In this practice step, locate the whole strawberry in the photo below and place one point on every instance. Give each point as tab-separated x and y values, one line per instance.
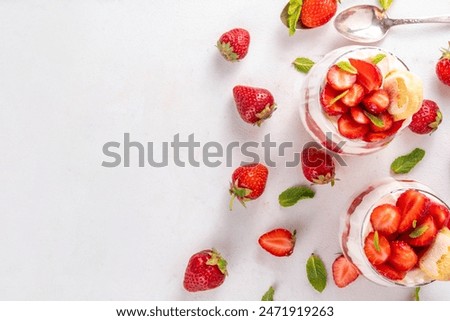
254	105
317	166
248	183
427	119
443	66
316	13
233	44
205	270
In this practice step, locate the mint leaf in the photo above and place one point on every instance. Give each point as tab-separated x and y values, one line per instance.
316	273
385	4
404	164
268	296
335	99
346	66
416	294
376	241
295	7
303	64
377	121
418	231
378	58
294	194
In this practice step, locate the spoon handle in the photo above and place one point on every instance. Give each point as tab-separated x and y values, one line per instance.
395	22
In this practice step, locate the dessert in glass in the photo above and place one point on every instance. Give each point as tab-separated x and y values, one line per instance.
357	98
396	232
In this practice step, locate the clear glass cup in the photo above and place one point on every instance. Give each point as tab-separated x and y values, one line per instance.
323	128
355	225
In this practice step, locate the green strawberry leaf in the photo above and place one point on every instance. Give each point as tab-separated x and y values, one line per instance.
295	7
346	66
316	273
294	194
385	4
303	64
418	231
268	296
377	121
404	164
416	294
378	58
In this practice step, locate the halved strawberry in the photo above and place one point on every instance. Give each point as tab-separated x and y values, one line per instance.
440	214
385	218
350	128
423	234
340	79
390	273
354	95
412	205
369	75
344	271
329	105
358	115
403	257
278	242
377	248
376	101
387	120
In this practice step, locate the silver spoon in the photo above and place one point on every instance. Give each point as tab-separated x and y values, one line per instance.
367	23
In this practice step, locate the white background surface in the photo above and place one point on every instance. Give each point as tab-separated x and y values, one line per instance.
77	74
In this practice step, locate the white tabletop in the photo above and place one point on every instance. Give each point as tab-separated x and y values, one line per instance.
75	75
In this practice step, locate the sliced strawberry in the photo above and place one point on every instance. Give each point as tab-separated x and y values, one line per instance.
440	214
278	242
329	105
372	137
354	95
387	120
377	248
390	273
340	79
344	271
412	205
369	75
358	115
350	128
385	218
423	234
403	257
376	101
396	125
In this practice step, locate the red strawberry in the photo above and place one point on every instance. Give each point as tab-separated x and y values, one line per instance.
387	120
248	183
423	234
344	271
412	205
351	129
330	105
354	95
385	218
278	242
233	44
379	136
376	101
443	66
440	214
377	251
316	13
390	273
253	104
317	166
358	115
403	257
369	75
427	119
340	79
205	270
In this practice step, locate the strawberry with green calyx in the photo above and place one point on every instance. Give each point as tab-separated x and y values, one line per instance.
443	66
317	165
278	242
427	119
248	183
253	104
206	270
233	45
316	13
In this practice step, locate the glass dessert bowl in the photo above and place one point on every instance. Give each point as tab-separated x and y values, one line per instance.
357	98
396	232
